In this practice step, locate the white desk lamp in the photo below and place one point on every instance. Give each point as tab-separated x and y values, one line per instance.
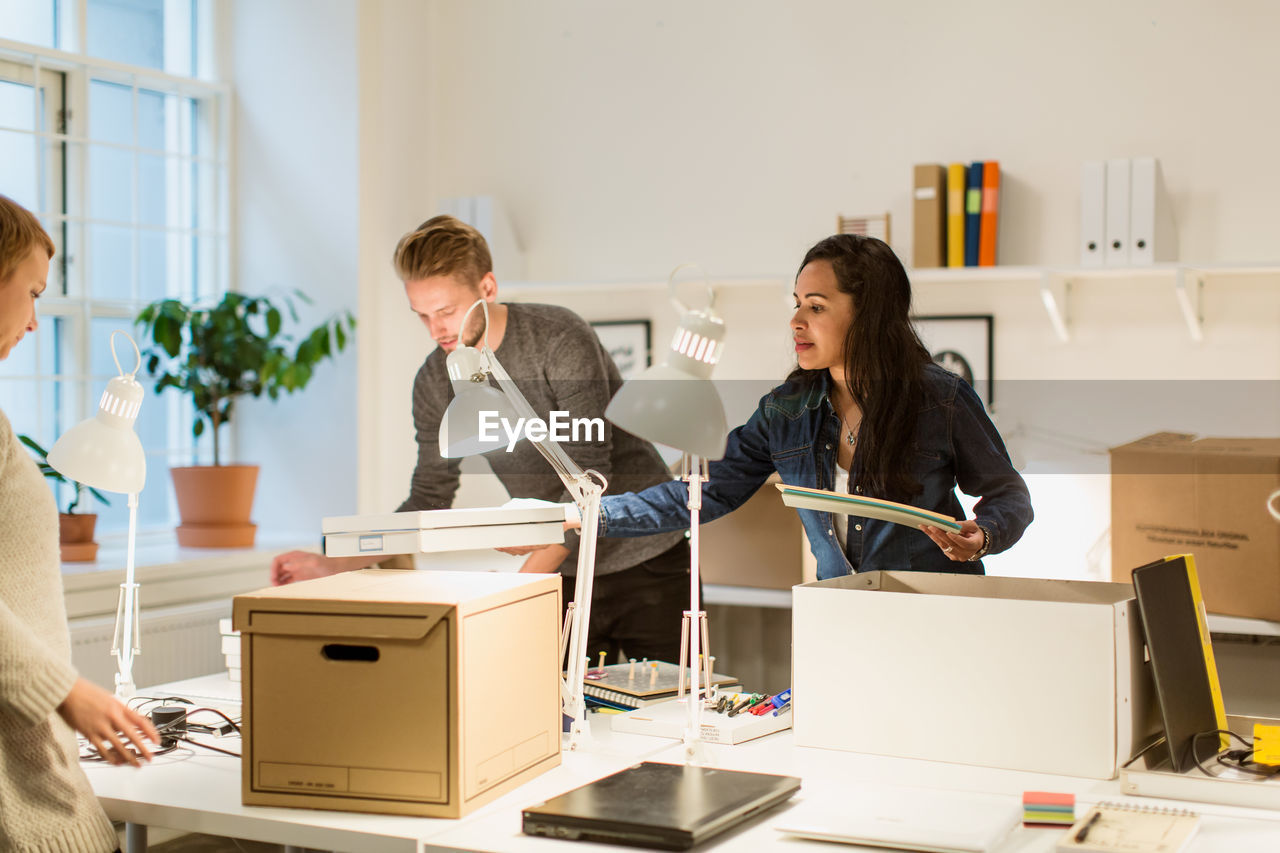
676	404
104	452
460	435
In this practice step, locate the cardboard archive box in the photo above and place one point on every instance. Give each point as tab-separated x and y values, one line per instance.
1039	675
404	692
1174	494
760	544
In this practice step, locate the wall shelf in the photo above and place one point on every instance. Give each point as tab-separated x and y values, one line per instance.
1055	283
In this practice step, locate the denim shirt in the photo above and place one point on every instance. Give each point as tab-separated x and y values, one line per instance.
794	431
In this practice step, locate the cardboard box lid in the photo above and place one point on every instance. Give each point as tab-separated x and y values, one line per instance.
977	586
439	518
1183	453
362	596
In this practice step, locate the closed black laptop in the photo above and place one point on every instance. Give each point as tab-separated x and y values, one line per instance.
660	806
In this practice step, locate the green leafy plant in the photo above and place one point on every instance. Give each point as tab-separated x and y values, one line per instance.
42	460
233	349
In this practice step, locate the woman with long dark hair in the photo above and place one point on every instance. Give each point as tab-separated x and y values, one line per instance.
865	411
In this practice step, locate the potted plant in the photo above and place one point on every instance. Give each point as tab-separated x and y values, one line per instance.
75	529
217	355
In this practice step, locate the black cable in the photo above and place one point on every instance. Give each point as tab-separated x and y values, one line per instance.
168	740
230	721
1159	740
207	746
1238	758
146	700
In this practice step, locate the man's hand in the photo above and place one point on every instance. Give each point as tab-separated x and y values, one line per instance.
102	719
303	566
545	559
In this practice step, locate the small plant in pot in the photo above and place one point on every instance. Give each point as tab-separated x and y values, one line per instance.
75	529
216	355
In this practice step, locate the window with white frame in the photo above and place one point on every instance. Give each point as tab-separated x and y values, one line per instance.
112	133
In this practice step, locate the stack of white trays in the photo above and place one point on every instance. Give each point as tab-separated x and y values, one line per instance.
230	647
444	530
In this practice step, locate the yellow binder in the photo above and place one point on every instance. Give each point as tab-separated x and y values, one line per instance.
955	214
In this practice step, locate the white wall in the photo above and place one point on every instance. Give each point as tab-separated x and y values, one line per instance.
624	139
294	68
624	136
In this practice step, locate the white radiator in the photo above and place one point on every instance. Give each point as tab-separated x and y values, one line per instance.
177	643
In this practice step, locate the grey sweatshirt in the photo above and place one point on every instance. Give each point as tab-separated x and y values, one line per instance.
558	363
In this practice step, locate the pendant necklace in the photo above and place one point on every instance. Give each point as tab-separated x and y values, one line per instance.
850	435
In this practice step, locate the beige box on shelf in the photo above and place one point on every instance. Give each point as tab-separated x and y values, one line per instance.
760	544
1174	494
391	691
1038	675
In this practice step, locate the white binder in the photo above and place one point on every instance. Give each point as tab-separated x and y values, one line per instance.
1152	236
1093	212
1116	252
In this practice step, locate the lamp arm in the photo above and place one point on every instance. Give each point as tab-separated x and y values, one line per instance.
578	482
586	488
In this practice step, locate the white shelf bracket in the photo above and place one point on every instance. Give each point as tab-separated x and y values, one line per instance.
1191	301
1054	290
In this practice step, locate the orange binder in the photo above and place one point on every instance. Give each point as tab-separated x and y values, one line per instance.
955	215
990	214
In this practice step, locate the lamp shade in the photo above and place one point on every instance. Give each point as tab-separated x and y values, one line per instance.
475	404
668	406
460	429
104	452
675	402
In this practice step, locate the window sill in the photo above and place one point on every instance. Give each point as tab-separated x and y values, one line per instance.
168	574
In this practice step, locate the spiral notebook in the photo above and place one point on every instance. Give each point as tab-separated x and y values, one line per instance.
1109	827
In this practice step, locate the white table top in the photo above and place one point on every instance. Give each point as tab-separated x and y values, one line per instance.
199	791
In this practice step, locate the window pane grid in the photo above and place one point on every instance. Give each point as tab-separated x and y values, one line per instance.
130	178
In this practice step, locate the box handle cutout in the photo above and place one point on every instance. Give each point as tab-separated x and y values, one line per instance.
345	651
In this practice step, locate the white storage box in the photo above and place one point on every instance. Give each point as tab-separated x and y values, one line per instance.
1038	675
444	530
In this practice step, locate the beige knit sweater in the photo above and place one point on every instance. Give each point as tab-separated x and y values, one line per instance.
46	803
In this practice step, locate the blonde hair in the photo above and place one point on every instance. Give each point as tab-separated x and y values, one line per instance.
443	245
20	232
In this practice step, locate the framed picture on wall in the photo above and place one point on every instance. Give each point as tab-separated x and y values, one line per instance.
627	341
965	345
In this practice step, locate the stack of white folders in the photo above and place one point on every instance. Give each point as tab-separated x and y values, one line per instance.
444	530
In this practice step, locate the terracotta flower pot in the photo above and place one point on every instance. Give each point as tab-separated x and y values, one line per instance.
75	537
214	502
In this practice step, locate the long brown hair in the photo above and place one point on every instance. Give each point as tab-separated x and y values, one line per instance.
884	359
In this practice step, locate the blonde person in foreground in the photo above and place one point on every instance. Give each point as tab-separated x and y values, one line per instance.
46	803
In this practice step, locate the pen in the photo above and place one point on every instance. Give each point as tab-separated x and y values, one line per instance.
1084	830
782	709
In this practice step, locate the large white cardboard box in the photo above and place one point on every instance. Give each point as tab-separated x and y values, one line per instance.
1038	675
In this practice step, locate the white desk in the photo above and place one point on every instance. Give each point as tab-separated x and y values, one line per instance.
201	793
197	790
